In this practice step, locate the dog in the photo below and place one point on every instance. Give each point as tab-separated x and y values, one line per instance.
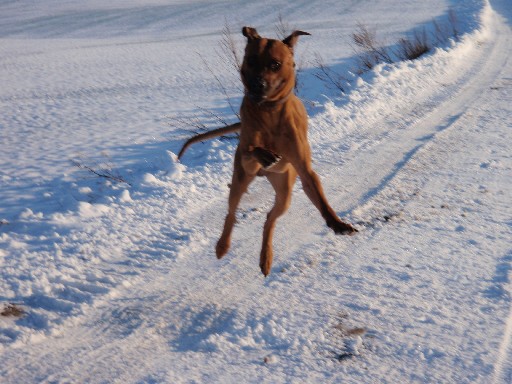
273	139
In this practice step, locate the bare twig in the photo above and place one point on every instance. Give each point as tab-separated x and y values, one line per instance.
229	48
281	27
103	173
191	122
221	86
214	115
327	75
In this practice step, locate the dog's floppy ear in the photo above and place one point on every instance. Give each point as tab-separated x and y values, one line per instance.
250	33
291	40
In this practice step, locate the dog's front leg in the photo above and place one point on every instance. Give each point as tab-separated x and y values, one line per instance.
283	185
239	184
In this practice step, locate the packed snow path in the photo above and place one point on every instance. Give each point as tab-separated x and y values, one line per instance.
419	157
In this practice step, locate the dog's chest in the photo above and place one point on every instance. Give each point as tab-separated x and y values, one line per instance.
264	137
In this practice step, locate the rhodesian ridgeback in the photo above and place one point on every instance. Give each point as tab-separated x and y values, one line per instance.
273	139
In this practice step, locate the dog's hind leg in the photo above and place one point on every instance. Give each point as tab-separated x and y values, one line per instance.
283	184
240	182
313	188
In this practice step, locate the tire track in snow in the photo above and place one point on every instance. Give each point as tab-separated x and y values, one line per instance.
507	335
429	131
422	126
503	349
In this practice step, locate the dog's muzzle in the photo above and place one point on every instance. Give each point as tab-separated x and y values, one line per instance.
257	88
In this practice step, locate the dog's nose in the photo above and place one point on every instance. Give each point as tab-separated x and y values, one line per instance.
259	84
262	83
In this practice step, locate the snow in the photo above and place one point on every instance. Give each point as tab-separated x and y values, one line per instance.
115	269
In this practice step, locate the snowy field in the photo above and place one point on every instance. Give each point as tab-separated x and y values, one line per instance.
117	277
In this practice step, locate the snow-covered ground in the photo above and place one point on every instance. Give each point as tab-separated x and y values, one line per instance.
119	281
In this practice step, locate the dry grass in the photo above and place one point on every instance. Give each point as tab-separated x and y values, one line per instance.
417	46
343	330
12	310
345	342
369	50
452	20
443	32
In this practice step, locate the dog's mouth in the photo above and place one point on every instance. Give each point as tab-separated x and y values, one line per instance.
257	97
257	88
262	93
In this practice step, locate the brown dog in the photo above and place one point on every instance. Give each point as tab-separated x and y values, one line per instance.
273	139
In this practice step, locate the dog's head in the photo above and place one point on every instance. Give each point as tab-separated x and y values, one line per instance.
268	70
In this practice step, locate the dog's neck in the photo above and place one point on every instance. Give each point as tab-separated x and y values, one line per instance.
264	104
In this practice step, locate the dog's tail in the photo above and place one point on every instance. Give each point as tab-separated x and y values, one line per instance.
210	135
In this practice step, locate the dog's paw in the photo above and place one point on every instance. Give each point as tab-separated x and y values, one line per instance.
266	157
222	248
266	257
265	267
341	228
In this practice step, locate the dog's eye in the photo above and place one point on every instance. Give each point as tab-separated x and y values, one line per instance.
275	66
